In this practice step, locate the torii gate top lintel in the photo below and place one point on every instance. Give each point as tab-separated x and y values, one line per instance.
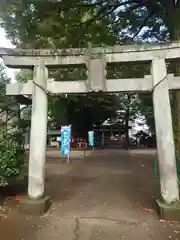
121	53
95	60
94	50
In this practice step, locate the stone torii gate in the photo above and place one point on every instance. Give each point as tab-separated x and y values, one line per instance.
95	60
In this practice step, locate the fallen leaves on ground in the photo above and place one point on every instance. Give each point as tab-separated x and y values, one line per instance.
163	221
3	212
150	210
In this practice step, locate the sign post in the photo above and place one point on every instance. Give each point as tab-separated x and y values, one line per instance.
91	139
65	141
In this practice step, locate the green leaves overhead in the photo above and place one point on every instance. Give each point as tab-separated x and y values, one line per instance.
82	23
53	24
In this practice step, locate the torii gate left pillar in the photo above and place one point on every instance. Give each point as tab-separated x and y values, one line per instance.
38	133
37	203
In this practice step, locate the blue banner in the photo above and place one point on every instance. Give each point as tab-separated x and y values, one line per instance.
91	138
65	140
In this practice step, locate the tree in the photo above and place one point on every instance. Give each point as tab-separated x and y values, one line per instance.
129	110
146	108
130	105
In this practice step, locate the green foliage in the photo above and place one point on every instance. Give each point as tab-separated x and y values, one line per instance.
3	80
146	107
129	108
24	75
51	24
11	148
11	155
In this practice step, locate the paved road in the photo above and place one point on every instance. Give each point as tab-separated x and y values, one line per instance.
98	198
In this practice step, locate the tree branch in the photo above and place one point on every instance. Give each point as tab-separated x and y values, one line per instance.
139	3
135	6
143	24
89	4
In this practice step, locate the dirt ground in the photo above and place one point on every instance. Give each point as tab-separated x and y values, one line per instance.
102	196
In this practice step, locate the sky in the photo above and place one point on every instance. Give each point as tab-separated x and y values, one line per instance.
5	43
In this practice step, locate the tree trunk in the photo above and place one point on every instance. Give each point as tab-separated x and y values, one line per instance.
176	118
127	129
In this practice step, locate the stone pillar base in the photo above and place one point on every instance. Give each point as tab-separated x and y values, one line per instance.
35	207
170	212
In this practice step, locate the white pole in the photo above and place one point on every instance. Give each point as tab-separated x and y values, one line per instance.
164	132
38	133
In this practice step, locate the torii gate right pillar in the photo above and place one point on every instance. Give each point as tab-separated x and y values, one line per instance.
165	140
164	132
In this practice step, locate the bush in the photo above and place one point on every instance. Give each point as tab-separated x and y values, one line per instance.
11	155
